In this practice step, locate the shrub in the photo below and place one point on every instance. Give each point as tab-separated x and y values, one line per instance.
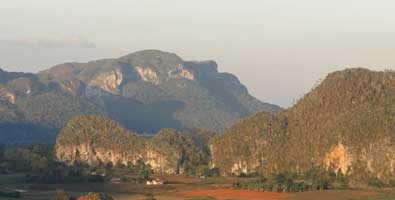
61	195
98	196
375	182
285	182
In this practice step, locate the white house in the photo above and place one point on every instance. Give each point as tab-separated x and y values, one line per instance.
156	181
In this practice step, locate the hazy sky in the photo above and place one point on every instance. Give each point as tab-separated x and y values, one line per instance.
278	48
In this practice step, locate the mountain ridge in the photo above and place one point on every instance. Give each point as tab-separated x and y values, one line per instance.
96	140
145	91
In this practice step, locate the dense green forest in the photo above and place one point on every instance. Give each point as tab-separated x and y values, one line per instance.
96	140
346	124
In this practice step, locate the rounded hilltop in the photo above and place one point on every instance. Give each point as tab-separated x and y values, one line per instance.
343	126
98	140
145	56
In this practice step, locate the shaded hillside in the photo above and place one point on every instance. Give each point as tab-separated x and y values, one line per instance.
96	140
345	125
33	112
190	94
144	91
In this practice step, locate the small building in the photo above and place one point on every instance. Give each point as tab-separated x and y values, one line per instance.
95	173
156	181
116	180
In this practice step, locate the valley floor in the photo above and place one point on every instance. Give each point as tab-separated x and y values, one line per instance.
185	188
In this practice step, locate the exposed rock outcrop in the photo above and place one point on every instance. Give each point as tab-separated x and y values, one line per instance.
88	154
145	91
96	140
148	74
181	72
22	86
6	95
108	81
344	125
338	158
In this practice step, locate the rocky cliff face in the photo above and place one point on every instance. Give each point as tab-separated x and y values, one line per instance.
344	125
145	91
93	156
338	158
148	75
108	81
7	95
96	140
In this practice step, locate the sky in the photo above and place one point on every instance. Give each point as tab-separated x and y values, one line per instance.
278	48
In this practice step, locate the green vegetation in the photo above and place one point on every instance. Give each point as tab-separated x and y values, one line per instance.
170	151
46	101
98	196
61	195
286	182
339	135
35	158
205	171
216	180
345	124
36	164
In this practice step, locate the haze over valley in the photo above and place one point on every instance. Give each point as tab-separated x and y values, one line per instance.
197	100
287	43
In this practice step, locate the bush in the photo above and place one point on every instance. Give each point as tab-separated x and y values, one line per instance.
375	182
391	183
61	195
285	182
99	196
255	174
132	180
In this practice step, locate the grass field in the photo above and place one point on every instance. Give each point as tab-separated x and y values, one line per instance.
183	188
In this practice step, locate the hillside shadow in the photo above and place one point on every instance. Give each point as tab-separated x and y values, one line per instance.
144	118
25	133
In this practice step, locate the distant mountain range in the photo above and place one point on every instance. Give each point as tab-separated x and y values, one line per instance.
345	127
144	91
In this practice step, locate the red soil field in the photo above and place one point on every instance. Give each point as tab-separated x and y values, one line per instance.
364	193
234	194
